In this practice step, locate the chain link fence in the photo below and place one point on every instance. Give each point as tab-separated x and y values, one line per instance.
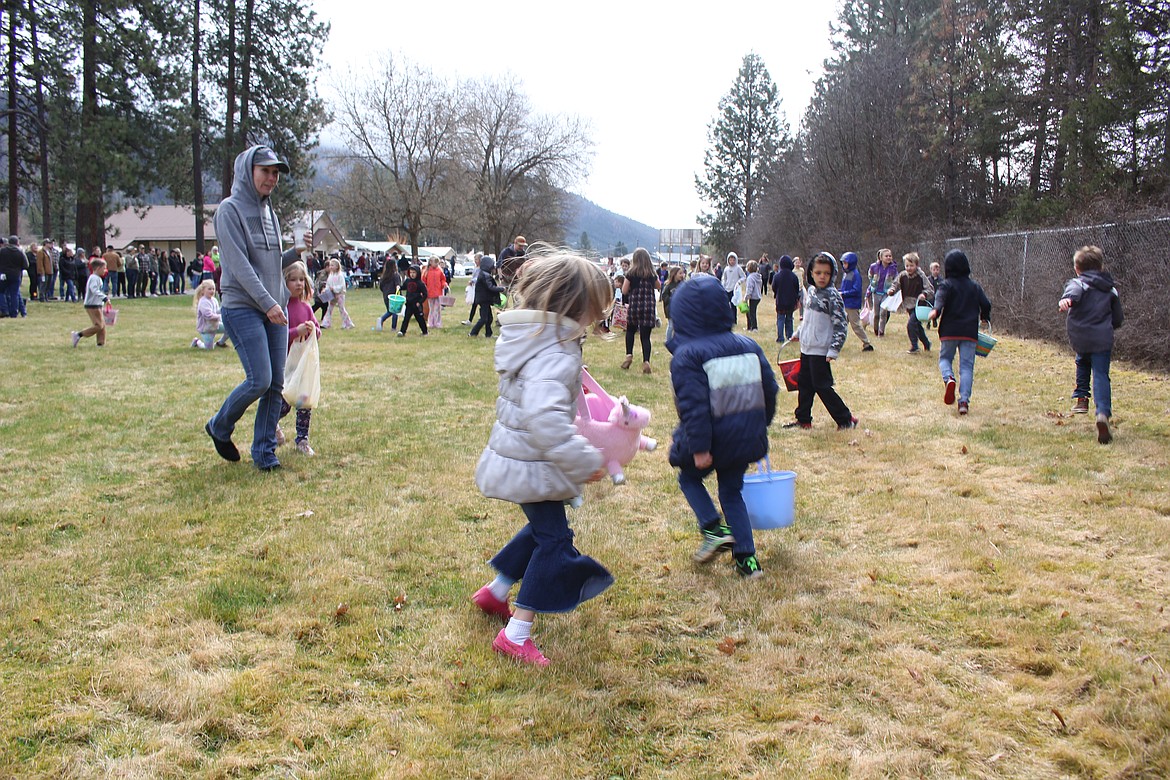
1024	275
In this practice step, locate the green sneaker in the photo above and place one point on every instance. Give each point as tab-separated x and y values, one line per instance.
748	567
715	541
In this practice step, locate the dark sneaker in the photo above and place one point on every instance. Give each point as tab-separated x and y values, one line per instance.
748	567
867	348
847	426
797	424
949	393
715	541
963	407
1080	406
226	449
1103	434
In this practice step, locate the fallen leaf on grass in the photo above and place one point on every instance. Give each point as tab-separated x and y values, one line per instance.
914	673
341	611
964	450
1060	717
1064	614
727	646
818	719
299	743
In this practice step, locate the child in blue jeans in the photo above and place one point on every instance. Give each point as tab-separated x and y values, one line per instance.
959	305
725	395
1094	312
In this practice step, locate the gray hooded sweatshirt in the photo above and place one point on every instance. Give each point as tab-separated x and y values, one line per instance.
249	244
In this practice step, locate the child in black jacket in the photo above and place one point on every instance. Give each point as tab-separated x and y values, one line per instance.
416	292
487	295
959	305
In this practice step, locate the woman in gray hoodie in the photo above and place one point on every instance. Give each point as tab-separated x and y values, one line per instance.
253	296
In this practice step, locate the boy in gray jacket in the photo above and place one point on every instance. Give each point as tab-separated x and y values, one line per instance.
822	335
1094	312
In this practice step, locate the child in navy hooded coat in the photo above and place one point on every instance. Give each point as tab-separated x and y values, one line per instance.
725	395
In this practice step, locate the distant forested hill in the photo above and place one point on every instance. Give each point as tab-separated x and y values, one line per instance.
606	229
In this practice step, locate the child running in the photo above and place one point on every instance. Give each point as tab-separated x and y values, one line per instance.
535	457
206	316
388	283
1094	312
786	286
415	292
487	295
725	394
335	283
301	325
915	288
853	295
95	298
822	335
959	305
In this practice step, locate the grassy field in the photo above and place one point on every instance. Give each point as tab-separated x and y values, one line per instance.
959	597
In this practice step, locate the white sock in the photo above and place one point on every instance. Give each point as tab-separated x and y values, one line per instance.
500	587
518	631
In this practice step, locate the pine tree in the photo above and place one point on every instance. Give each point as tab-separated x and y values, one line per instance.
746	139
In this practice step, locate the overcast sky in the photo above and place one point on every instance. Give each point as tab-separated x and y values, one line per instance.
647	76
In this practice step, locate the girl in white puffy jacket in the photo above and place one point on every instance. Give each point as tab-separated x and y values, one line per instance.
335	284
535	457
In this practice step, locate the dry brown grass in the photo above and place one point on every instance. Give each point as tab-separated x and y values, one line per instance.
979	597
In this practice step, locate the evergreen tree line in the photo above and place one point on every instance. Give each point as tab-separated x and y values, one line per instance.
109	102
949	117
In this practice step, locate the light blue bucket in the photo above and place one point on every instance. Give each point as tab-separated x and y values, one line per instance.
770	497
922	312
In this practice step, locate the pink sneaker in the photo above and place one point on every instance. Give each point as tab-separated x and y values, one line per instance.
484	599
527	652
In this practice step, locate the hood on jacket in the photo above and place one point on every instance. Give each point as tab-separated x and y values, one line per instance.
699	308
849	261
487	264
956	265
786	263
731	255
525	332
832	264
1100	280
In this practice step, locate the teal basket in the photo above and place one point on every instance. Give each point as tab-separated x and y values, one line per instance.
922	312
396	303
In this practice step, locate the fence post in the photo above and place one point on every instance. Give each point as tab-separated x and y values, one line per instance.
1024	268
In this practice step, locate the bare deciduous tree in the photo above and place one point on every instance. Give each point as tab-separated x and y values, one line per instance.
402	126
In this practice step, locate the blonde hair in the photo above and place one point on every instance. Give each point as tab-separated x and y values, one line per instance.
1089	258
562	282
911	257
752	266
333	261
208	284
307	286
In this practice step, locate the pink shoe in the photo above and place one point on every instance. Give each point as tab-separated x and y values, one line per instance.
527	652
491	605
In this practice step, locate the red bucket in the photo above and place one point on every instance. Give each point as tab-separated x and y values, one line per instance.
789	369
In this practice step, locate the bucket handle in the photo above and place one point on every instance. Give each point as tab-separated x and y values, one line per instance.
780	349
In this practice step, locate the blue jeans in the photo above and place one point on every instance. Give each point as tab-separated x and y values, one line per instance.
1096	365
11	297
946	364
783	326
730	478
262	348
553	575
70	291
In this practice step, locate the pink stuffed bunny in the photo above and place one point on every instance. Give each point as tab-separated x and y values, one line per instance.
612	425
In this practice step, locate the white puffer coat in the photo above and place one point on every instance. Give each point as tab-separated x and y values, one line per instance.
534	452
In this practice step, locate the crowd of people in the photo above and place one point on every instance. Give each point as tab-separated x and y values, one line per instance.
723	385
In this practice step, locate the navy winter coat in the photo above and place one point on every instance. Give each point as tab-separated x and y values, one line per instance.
960	300
1095	313
786	287
724	389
